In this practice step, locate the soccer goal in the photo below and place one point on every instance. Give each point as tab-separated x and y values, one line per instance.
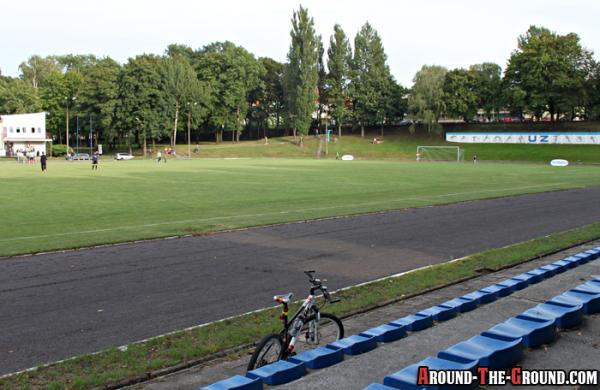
439	153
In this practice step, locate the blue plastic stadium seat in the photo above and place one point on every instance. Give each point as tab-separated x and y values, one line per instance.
414	322
385	333
529	278
481	297
564	265
538	274
577	258
535	331
591	286
486	351
378	386
590	301
515	284
354	344
279	372
320	357
236	382
440	312
499	289
407	377
594	253
551	269
565	316
463	305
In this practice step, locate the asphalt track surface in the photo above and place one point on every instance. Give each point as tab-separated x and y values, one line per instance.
57	305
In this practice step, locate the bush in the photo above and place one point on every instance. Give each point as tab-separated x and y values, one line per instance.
59	150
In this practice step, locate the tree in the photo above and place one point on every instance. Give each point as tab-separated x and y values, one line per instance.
426	99
181	90
489	88
231	73
339	57
302	72
17	96
99	95
460	94
551	69
322	87
142	112
53	95
370	79
37	69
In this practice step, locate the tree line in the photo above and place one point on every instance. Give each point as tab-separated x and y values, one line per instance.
222	87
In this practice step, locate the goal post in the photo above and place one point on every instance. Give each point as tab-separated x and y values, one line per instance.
439	153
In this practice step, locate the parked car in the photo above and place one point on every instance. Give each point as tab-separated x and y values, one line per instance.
77	156
123	156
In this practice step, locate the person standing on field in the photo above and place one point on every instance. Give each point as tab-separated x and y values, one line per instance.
43	161
95	158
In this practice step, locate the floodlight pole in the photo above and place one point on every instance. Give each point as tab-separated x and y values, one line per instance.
189	139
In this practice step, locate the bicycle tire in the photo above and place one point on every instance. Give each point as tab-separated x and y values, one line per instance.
258	357
330	329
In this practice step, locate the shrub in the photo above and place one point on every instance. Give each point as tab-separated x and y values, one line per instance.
59	150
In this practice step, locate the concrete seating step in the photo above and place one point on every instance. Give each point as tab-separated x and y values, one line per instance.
463	305
354	345
565	316
279	372
385	333
534	331
319	357
481	297
485	351
414	322
407	377
236	382
440	312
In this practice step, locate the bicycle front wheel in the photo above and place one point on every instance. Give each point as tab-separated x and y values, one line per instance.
268	350
326	330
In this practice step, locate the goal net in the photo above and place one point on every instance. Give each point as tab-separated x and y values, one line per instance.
439	153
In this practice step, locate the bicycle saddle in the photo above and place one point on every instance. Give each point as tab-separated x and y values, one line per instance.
284	298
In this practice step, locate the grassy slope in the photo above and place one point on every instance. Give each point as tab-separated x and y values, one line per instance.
400	147
71	206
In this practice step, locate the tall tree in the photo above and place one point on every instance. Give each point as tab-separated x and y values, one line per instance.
370	79
551	69
302	72
231	73
339	57
322	87
460	94
37	69
489	88
142	113
17	96
426	99
98	98
182	90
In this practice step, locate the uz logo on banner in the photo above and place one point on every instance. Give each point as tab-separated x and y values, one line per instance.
533	138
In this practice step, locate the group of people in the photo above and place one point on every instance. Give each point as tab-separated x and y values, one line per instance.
27	155
168	150
95	160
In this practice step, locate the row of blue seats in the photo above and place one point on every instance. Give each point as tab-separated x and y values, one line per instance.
502	345
286	371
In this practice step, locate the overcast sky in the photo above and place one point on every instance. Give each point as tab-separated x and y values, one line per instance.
452	33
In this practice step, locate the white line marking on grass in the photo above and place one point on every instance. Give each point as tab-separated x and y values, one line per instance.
274	213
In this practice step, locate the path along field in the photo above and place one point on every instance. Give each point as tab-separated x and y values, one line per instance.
72	206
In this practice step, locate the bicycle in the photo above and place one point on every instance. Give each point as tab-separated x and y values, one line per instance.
308	327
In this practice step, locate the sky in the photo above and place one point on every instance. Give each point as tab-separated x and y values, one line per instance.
451	33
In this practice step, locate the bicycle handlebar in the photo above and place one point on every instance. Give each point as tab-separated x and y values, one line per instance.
318	286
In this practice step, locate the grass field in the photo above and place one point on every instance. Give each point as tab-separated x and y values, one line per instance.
72	206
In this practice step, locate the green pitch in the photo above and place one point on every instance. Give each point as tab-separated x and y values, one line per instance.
72	206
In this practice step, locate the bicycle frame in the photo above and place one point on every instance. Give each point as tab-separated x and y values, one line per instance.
303	312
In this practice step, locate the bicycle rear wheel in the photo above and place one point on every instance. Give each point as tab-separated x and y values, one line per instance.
268	350
328	329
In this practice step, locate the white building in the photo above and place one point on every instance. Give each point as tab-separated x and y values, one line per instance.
22	133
